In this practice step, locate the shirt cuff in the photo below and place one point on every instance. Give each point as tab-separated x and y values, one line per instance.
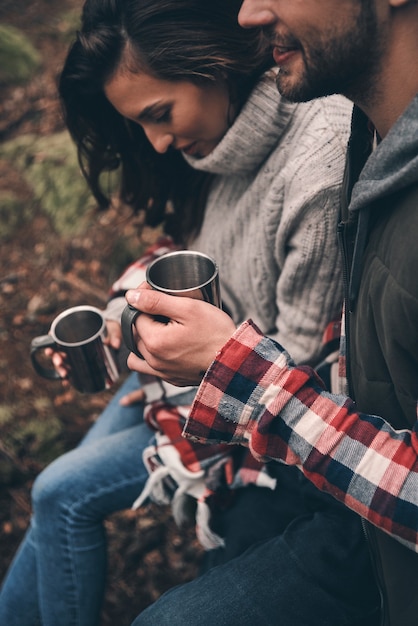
230	397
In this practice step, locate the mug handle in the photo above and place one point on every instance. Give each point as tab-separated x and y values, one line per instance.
127	320
40	343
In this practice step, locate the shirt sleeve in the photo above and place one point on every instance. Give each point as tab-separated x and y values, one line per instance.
254	395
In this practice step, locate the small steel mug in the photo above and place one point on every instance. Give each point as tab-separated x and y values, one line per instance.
179	273
79	332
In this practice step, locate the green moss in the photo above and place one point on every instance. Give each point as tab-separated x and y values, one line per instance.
13	212
68	25
6	414
50	166
18	58
40	437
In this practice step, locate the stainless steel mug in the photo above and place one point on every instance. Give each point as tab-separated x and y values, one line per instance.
180	273
79	333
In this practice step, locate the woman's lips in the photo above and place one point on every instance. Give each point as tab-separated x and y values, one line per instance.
191	149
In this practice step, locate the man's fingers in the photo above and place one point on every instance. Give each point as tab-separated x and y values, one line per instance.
156	303
139	365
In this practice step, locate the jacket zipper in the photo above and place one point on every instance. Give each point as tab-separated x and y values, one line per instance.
342	238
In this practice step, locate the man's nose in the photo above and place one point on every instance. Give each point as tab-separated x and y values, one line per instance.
255	13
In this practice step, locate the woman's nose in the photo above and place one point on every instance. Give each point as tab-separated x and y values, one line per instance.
159	139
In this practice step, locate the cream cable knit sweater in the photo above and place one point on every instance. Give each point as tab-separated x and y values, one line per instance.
272	212
270	222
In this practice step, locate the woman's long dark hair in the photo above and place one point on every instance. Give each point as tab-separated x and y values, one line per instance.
199	41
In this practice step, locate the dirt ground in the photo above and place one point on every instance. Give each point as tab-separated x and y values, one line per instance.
42	273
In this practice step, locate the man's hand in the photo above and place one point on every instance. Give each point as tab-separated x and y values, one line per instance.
181	349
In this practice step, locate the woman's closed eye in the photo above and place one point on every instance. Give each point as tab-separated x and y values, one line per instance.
156	115
161	118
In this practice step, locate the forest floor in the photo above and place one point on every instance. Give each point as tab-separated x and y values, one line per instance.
42	272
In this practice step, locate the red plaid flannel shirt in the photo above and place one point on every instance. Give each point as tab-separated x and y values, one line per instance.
254	395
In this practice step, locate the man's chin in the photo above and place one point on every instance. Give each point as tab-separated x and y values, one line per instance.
295	90
286	86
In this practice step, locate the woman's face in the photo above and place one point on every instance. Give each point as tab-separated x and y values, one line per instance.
182	115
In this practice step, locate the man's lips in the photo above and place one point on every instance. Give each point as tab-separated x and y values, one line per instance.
281	54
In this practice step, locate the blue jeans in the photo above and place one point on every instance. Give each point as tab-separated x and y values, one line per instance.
311	569
58	575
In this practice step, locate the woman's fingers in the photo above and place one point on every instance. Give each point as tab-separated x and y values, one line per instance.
114	334
135	397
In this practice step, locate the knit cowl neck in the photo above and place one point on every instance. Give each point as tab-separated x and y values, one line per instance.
253	134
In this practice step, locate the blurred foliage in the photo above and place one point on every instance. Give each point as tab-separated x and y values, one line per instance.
50	166
19	60
41	437
6	414
67	26
57	251
13	212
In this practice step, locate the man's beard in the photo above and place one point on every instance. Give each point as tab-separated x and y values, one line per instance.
337	63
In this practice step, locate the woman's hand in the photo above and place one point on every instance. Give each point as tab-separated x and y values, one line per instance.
181	349
134	397
59	361
113	339
113	334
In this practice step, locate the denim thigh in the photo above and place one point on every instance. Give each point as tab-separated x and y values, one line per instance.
312	568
